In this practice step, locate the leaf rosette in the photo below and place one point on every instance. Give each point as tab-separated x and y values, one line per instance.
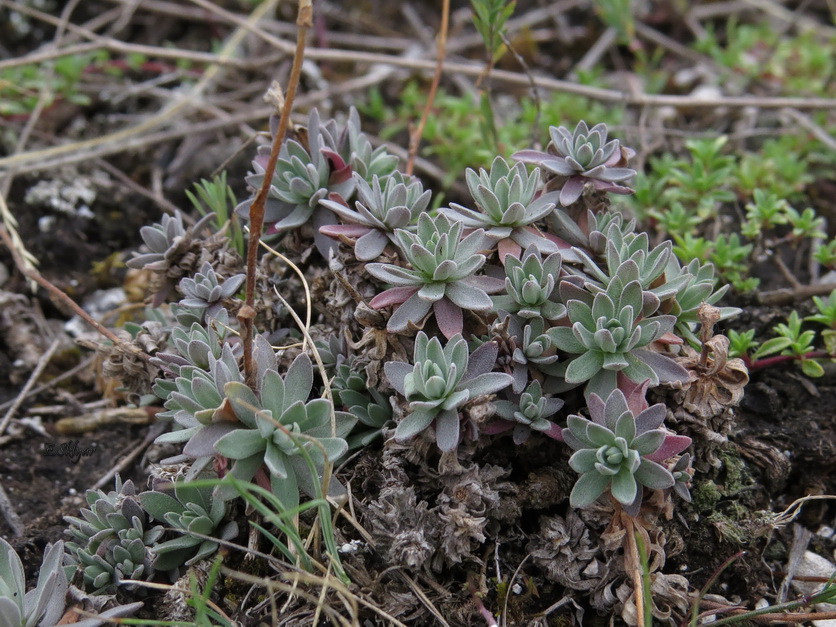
441	276
621	450
509	207
440	382
582	156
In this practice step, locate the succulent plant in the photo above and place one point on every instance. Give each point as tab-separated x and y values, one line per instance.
112	540
362	157
195	400
373	416
585	230
305	175
350	389
277	422
530	286
609	335
194	343
206	291
44	605
580	157
440	383
166	240
682	477
533	348
620	450
656	284
347	381
598	227
169	242
530	411
698	288
441	277
381	207
509	207
332	351
190	510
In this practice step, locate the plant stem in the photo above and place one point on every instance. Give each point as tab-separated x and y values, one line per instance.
825	595
633	558
645	562
766	362
415	137
304	21
31	273
695	610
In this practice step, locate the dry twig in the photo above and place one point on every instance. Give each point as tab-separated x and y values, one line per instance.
304	21
415	136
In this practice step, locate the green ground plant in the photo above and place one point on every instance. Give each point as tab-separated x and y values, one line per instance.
792	342
793	64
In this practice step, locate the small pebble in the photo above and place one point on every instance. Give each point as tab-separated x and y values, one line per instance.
45	223
825	532
814	565
350	548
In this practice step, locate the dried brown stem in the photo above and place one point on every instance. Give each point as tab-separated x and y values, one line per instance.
790	296
415	137
716	608
633	562
30	273
304	21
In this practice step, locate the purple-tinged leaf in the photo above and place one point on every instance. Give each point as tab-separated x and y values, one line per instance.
449	317
481	360
392	296
665	368
498	426
673	445
571	191
344	232
202	443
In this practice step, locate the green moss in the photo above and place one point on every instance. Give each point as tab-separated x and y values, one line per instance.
705	494
728	523
736	474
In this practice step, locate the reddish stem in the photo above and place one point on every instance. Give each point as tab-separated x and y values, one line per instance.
766	362
304	21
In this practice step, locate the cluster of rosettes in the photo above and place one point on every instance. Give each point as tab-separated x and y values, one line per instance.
115	540
535	293
557	295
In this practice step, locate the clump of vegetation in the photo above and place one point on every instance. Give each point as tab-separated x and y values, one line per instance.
415	381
